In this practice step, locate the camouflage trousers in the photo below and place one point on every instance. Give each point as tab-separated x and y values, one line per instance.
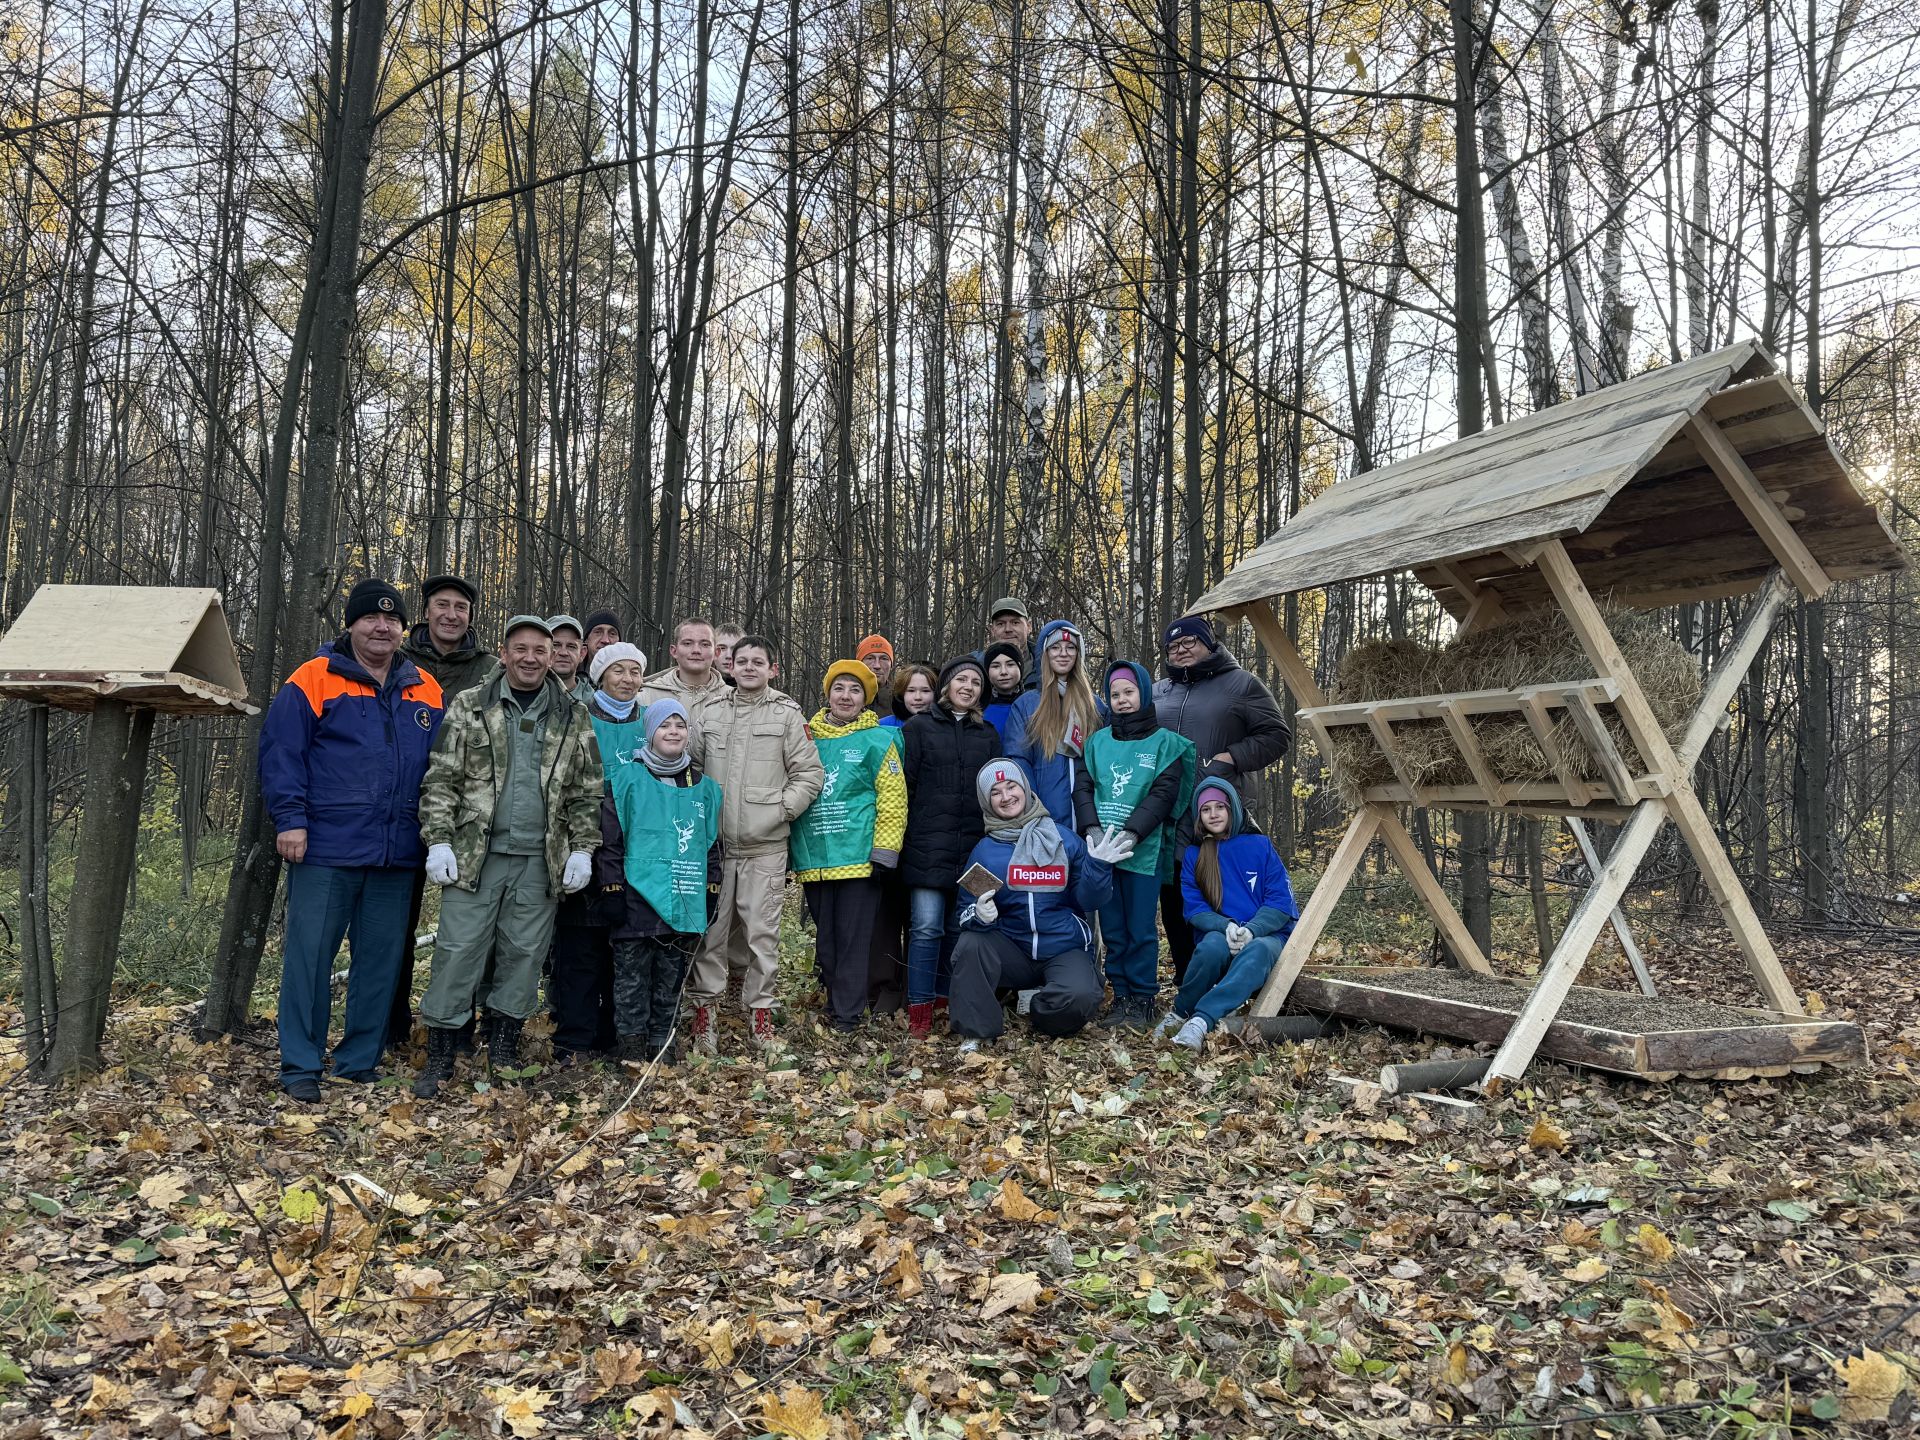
647	978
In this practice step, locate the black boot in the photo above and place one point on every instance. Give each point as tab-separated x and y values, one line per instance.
503	1041
463	1038
439	1067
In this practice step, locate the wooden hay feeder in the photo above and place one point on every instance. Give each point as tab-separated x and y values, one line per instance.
122	653
1702	480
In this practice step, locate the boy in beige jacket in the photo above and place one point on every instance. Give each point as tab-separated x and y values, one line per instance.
754	744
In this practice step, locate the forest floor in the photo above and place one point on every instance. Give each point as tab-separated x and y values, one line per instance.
874	1237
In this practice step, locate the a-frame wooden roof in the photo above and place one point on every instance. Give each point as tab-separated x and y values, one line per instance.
163	647
1623	475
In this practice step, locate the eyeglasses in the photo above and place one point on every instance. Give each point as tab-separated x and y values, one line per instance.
1185	642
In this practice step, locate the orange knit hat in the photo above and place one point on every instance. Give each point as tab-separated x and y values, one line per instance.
873	645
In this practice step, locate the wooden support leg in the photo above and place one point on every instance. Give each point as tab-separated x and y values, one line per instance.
1414	866
1313	919
1618	919
1576	943
1690	818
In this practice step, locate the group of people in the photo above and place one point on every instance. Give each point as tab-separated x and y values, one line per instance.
997	832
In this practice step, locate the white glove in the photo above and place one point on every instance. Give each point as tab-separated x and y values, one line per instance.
442	868
1113	846
985	911
579	870
1238	938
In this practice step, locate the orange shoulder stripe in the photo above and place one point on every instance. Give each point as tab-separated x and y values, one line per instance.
319	684
426	691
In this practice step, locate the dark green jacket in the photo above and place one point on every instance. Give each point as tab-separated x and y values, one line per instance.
465	668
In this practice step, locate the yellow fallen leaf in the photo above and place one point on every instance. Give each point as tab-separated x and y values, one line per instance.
495	1182
1815	1005
520	1409
1587	1271
299	1204
411	1204
1872	1382
796	1411
1457	1372
1578	1234
1019	1289
1013	1204
357	1405
165	1190
1655	1246
1545	1135
716	1345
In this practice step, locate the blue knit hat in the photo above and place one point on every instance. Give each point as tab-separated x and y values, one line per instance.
659	712
1193	626
1140	678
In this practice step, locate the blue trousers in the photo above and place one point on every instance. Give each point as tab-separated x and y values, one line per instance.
368	907
1133	944
933	923
1217	983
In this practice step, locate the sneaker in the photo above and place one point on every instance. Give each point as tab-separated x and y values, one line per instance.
1023	1000
762	1028
1193	1034
705	1041
1117	1013
633	1050
305	1090
970	1046
1139	1016
1169	1023
920	1020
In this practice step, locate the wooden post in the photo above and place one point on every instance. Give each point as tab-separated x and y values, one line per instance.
1754	502
39	986
118	739
1642	976
1347	856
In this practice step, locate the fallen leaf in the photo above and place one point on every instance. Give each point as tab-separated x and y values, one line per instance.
1872	1382
411	1204
1652	1244
495	1182
165	1190
1587	1271
1018	1289
1013	1204
1545	1135
520	1409
906	1273
796	1411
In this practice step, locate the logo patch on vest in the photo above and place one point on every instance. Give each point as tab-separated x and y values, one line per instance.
1036	877
423	718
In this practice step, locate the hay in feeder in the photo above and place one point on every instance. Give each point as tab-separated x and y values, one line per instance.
1537	648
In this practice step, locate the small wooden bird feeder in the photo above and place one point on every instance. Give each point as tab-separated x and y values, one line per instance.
123	653
1705	479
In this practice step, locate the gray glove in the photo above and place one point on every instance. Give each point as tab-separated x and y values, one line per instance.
985	911
1113	846
1238	937
442	868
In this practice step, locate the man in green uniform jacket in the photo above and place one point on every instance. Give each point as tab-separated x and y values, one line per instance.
510	813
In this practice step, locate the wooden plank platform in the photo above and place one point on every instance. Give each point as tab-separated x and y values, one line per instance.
1652	1038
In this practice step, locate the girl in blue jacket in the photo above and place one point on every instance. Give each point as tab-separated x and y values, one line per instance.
1031	934
1049	726
1239	900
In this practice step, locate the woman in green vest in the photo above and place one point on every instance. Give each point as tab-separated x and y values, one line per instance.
853	825
1142	777
580	982
660	855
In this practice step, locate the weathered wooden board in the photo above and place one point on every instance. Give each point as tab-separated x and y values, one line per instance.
1635	1045
161	647
1546	474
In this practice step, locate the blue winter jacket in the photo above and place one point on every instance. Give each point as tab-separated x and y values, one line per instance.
1061	782
342	758
1254	888
1043	922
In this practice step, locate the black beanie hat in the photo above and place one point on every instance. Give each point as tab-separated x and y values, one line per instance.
1006	648
374	596
604	617
954	666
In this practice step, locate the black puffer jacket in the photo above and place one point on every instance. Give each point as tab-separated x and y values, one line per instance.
944	754
1220	707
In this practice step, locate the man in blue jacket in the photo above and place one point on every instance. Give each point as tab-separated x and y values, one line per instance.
1031	934
341	759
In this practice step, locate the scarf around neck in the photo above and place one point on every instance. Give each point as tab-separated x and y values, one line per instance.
1035	838
657	714
616	709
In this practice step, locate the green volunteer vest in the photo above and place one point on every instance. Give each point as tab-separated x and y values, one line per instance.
668	830
1122	771
837	829
619	744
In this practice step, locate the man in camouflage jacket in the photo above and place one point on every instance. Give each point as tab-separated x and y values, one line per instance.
510	814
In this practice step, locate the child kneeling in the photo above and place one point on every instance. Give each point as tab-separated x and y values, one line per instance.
1239	900
659	849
